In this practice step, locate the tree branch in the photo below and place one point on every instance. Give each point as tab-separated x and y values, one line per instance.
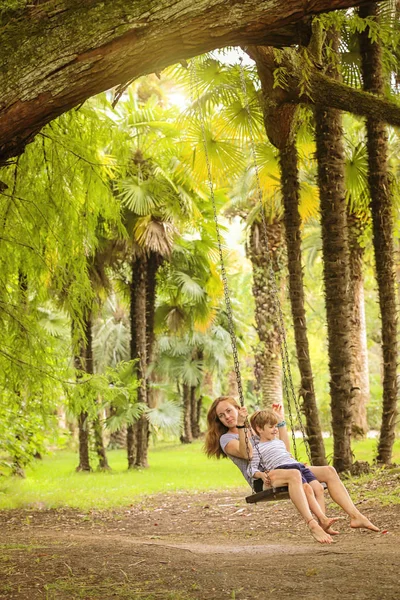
58	53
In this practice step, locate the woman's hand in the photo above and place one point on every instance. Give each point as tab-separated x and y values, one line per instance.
242	415
278	408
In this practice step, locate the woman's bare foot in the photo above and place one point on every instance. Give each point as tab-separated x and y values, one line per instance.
318	533
326	524
361	522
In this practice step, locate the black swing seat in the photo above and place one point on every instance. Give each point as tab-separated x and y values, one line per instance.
271	494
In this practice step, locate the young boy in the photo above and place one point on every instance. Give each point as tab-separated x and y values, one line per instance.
272	453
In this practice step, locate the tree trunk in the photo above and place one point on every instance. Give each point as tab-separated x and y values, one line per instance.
268	372
99	444
194	412
139	329
335	252
51	63
232	384
186	437
291	195
118	439
133	292
84	362
131	441
382	225
87	363
280	121
153	264
360	374
83	440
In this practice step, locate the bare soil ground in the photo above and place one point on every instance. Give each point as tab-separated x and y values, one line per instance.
194	547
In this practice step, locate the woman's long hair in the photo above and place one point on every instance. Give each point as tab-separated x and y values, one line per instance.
215	428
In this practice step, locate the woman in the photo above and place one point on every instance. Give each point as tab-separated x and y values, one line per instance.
227	436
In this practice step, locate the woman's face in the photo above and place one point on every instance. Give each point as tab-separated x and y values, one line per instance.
227	414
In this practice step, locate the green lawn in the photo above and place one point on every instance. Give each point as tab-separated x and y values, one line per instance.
53	481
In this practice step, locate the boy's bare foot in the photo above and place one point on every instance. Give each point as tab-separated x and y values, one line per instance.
318	533
361	522
326	524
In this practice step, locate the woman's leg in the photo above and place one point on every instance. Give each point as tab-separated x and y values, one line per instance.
341	496
292	478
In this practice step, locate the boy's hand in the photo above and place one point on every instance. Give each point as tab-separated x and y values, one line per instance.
278	408
264	476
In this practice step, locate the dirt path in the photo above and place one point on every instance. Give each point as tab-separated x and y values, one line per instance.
194	547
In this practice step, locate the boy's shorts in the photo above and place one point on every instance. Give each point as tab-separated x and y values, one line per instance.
306	474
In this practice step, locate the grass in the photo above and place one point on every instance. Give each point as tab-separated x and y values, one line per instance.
53	482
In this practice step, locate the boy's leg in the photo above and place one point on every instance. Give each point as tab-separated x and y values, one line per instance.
292	478
314	491
319	493
341	496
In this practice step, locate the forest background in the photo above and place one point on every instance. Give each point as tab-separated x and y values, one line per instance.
114	327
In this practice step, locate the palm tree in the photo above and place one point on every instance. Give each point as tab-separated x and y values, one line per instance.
382	223
153	193
189	291
330	156
358	223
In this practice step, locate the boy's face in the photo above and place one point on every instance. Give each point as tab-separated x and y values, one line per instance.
268	433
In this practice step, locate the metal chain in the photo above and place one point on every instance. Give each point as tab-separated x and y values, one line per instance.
288	385
228	304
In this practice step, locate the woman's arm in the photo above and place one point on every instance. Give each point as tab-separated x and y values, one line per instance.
241	448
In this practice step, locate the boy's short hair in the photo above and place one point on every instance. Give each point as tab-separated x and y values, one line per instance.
261	418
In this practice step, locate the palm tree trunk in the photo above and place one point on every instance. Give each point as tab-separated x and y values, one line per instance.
382	226
291	194
281	126
194	412
268	372
140	332
186	437
133	291
83	441
99	444
87	363
82	363
328	132
360	375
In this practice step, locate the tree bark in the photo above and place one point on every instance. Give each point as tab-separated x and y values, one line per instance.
133	291
290	185
194	412
99	444
52	61
382	226
330	156
186	437
268	372
83	441
360	375
140	332
84	362
280	120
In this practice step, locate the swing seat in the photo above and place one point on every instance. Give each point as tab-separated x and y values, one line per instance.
270	494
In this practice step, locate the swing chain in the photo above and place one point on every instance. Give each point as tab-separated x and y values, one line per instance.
228	304
289	391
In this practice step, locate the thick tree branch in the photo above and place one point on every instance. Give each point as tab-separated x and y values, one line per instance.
327	92
59	53
322	91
